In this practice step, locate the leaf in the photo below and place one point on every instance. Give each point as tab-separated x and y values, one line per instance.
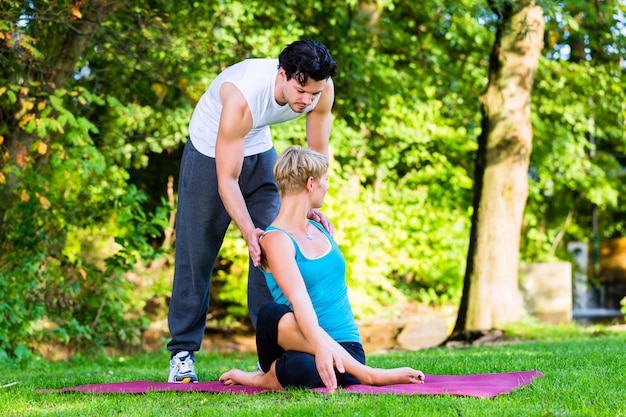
42	148
27	118
158	88
55	124
27	105
76	13
45	203
22	157
57	103
41	128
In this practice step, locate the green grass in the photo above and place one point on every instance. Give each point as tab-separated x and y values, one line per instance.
584	376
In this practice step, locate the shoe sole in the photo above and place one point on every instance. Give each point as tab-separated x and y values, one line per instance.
185	380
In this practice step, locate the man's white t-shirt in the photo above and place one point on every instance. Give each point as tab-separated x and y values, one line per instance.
256	79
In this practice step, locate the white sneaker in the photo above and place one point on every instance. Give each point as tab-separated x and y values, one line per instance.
181	368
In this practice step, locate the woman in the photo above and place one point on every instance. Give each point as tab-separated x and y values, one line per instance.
308	336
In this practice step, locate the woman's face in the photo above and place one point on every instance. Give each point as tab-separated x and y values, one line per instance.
320	188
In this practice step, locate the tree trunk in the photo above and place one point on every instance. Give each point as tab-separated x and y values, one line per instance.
491	296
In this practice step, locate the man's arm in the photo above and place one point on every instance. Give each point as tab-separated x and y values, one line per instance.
318	125
319	121
235	123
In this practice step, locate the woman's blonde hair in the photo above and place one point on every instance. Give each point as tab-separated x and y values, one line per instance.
295	166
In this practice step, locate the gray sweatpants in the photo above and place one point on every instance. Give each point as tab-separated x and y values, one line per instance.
201	223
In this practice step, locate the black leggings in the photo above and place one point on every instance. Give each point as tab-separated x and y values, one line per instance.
293	368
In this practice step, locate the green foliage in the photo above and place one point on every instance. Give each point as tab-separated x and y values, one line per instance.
85	158
60	281
578	117
71	226
402	149
229	284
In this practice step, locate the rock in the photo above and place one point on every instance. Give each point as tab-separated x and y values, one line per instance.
423	333
547	289
380	335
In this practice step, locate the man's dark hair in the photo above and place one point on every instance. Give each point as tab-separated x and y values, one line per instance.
307	59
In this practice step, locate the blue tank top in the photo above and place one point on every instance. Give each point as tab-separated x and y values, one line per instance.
324	278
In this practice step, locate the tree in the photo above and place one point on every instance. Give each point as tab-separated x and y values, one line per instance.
60	197
490	294
94	108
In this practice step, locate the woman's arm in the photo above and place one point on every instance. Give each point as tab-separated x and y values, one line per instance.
280	255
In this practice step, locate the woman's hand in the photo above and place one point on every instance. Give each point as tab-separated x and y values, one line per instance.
327	359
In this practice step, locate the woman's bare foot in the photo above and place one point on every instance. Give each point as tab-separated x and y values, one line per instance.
396	376
239	377
251	379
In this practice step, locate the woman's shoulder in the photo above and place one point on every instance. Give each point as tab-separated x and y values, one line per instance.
274	236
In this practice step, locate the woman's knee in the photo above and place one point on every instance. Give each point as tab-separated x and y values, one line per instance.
287	323
272	312
297	369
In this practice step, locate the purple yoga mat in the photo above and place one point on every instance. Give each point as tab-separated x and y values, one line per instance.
476	385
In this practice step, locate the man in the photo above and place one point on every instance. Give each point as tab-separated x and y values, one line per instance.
226	173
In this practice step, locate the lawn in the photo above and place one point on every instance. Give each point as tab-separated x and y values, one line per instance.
583	370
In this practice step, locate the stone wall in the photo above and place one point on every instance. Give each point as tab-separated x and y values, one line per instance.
547	291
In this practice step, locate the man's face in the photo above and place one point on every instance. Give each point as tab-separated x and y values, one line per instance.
299	96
